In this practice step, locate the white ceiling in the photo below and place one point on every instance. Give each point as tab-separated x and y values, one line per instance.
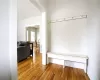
26	9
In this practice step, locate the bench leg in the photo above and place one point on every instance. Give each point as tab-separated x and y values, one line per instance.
64	65
47	60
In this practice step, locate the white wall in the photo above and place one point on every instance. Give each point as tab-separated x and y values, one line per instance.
94	40
26	9
80	36
68	36
43	4
65	8
22	24
8	52
13	39
4	34
43	37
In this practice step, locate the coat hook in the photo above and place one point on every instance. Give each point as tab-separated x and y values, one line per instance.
69	18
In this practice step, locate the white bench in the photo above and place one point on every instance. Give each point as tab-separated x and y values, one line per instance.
69	57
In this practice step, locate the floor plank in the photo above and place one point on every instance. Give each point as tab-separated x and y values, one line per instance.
32	69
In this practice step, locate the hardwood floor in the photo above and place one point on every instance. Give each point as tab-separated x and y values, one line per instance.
32	69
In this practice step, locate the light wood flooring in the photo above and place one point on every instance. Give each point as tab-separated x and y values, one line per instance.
32	69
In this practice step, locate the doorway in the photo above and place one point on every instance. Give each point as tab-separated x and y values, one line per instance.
33	36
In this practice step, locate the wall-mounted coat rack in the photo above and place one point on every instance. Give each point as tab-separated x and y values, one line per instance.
69	18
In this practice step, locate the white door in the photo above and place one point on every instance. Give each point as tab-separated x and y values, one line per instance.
32	36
